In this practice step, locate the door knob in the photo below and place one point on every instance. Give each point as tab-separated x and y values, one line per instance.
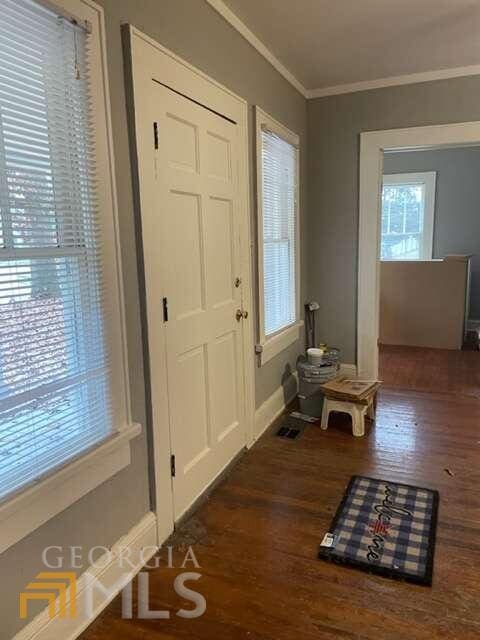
241	314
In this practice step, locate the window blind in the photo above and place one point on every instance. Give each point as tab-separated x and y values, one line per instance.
54	372
279	210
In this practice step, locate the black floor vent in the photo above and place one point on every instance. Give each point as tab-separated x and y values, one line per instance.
287	432
291	429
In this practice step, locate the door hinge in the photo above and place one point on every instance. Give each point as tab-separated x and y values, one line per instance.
172	465
165	309
155	135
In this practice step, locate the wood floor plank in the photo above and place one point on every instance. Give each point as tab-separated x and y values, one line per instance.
256	537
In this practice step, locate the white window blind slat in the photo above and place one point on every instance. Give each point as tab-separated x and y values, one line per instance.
279	210
54	367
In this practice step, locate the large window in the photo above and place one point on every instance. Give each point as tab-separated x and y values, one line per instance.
277	160
56	385
408	204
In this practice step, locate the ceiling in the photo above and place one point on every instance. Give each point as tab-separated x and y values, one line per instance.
325	43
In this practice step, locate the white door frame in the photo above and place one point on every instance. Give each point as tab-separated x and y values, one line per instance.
372	146
151	60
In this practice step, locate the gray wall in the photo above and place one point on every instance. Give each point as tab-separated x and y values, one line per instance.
196	32
457	203
334	127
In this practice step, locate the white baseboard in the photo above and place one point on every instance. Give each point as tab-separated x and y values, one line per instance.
276	403
273	407
142	536
349	370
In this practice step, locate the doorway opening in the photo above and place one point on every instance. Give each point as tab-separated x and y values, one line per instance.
430	269
419	246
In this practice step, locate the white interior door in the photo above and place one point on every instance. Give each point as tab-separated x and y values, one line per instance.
197	236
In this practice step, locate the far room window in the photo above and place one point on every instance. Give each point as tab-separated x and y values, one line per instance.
278	186
408	204
58	397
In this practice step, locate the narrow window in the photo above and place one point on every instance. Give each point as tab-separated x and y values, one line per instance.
278	180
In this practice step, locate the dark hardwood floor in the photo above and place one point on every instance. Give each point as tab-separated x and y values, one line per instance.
256	537
434	370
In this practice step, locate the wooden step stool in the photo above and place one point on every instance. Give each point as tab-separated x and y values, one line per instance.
356	406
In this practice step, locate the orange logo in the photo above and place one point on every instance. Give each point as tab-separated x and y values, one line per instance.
52	587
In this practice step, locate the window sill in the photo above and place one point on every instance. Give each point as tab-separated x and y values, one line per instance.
281	341
39	503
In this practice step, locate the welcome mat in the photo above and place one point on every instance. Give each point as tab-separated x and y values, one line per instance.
386	528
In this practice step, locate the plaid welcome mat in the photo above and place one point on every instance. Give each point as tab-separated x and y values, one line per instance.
386	528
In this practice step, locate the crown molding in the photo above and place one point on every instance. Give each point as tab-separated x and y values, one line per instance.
393	81
242	28
322	92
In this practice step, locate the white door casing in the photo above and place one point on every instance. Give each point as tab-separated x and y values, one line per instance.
192	255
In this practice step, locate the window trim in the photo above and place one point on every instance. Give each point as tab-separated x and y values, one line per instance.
29	508
427	178
282	339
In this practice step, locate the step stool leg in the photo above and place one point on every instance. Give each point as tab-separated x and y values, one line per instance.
325	415
358	420
371	410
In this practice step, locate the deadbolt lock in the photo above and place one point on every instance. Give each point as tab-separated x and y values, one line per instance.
238	282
